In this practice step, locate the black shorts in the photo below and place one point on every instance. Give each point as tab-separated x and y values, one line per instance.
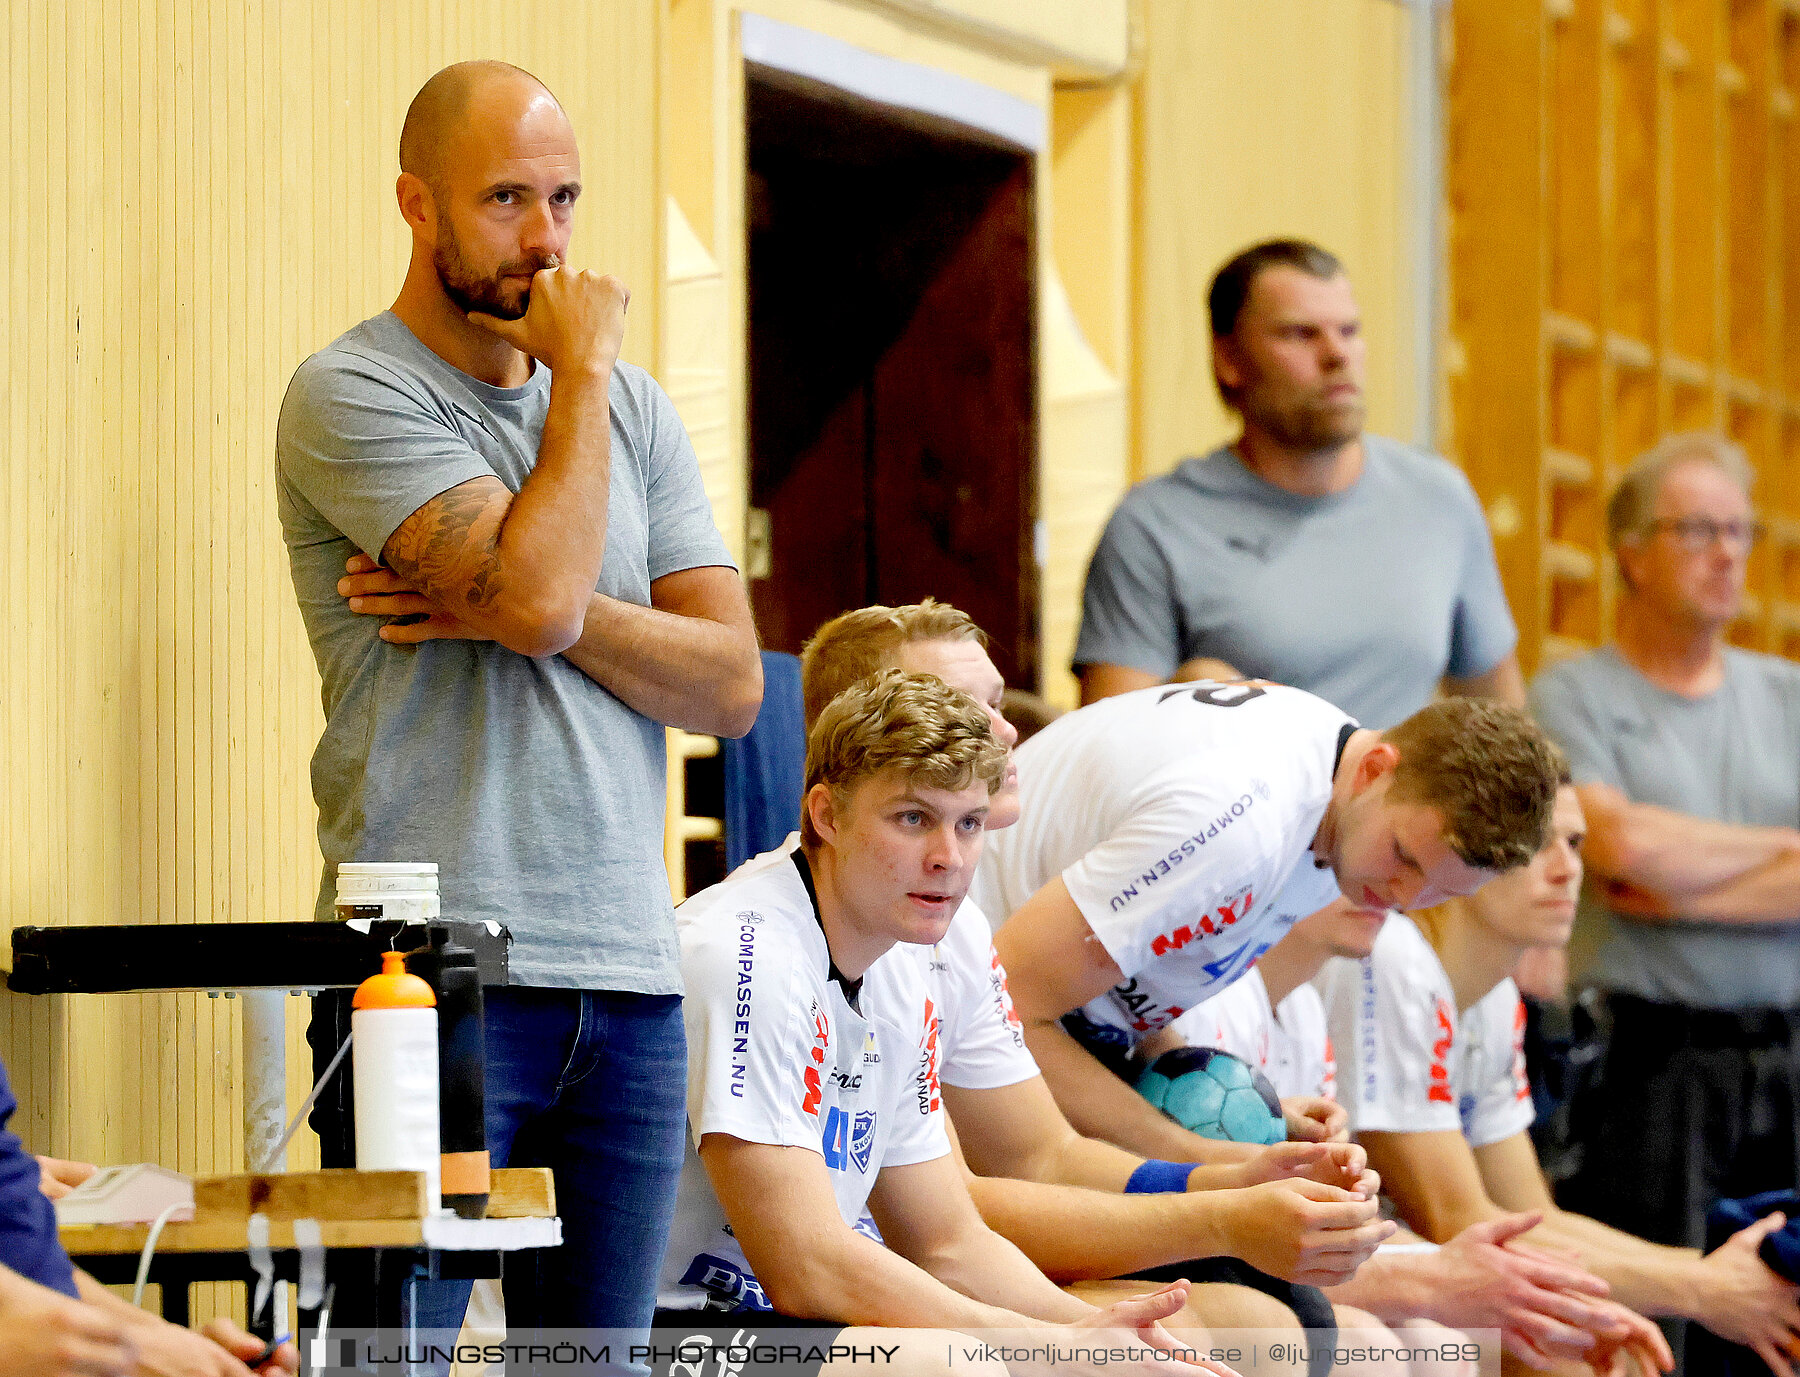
1310	1305
753	1343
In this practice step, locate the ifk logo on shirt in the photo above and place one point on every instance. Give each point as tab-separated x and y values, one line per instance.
862	1139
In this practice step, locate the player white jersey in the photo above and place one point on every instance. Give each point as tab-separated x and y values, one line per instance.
1180	817
778	1054
1288	1044
1406	1062
982	1043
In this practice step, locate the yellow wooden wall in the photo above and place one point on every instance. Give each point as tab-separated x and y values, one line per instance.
203	194
1276	117
1085	349
1624	264
205	197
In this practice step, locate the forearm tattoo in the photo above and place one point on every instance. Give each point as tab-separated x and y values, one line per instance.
450	548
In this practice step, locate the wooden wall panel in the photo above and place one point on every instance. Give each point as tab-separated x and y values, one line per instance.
1622	188
206	196
1285	117
1085	355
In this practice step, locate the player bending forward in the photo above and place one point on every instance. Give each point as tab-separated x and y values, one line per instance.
1547	1309
1426	1031
814	1089
1170	836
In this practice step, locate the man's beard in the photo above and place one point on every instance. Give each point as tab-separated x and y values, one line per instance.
471	292
1313	427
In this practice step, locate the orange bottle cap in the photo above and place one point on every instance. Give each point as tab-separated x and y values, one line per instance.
394	988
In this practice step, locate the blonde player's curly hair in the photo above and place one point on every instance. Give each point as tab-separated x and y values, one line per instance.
915	723
856	644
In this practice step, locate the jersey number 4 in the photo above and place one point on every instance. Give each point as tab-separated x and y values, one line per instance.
833	1139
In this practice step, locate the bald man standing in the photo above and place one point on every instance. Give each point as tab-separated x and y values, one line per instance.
511	579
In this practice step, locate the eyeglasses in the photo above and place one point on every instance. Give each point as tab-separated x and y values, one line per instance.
1697	533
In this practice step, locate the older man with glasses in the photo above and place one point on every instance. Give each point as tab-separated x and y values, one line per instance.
1687	754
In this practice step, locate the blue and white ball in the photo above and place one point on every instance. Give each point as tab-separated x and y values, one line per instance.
1210	1092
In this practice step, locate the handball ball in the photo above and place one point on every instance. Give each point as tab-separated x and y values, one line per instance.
1214	1094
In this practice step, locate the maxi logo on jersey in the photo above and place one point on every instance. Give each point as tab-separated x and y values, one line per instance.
821	1044
1226	915
1185	850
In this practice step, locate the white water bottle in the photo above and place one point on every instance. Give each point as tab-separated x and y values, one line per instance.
394	1061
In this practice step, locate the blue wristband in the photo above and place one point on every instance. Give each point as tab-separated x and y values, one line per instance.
1157	1178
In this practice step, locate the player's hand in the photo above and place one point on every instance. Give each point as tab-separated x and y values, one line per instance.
1303	1231
1315	1119
573	322
168	1350
43	1333
376	591
1629	1345
1138	1320
56	1177
1741	1300
1546	1308
244	1346
1344	1165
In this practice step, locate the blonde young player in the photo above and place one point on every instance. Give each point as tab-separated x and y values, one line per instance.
1547	1309
813	1087
1429	1068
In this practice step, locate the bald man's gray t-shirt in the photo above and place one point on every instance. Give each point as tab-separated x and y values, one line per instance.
538	793
1732	756
1366	598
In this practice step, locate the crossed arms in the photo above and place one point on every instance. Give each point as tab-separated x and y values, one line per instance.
479	563
1654	864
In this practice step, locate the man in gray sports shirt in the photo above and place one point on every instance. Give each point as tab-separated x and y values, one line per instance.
479	464
1686	752
1306	552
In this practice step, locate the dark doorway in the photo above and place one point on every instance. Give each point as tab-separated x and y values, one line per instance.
892	380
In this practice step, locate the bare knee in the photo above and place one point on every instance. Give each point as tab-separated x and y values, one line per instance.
1240	1317
1375	1347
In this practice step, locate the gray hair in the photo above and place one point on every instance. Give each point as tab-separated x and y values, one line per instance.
1628	513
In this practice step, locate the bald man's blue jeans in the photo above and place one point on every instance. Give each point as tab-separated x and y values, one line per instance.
593	1085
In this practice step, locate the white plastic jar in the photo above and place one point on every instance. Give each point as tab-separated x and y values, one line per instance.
402	890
